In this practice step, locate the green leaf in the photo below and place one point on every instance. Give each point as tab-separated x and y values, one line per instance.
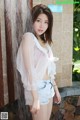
76	48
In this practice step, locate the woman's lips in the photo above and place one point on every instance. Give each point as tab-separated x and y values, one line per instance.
40	30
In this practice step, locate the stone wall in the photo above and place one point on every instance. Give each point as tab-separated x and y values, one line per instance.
62	41
69	109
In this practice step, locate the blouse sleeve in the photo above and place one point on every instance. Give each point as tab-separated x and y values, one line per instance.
28	59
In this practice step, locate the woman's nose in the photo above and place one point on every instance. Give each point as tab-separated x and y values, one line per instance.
41	25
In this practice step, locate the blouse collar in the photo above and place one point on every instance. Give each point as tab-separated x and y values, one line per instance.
49	54
40	47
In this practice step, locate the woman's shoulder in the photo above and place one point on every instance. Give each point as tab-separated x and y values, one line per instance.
28	37
28	34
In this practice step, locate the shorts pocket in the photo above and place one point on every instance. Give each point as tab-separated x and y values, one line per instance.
41	85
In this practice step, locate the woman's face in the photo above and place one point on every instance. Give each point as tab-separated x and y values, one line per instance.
41	24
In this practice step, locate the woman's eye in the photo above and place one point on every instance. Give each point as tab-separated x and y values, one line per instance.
38	20
46	22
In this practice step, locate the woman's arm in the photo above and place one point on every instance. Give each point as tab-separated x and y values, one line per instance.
57	97
36	103
28	57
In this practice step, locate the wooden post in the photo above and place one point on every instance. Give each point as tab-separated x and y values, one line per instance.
1	75
8	34
31	3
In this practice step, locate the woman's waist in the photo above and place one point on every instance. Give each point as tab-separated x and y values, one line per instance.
46	76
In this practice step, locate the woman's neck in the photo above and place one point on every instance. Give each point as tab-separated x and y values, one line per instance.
42	43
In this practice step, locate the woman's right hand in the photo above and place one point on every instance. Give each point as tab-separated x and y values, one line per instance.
35	107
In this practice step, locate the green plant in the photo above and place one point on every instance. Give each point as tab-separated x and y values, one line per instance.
76	43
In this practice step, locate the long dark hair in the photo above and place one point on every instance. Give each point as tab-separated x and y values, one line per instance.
43	9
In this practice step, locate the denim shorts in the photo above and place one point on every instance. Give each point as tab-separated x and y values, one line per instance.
45	90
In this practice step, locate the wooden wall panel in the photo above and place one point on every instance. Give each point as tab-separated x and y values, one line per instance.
3	52
1	74
31	3
14	16
8	34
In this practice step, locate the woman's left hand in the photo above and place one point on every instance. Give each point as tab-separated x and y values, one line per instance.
57	97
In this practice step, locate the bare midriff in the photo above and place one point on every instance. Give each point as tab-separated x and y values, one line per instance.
46	76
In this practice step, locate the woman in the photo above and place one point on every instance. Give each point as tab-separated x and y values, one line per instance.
36	65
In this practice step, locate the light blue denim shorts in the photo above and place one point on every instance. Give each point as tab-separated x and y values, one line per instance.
45	90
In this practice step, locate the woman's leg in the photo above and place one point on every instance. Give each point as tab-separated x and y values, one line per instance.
44	112
49	108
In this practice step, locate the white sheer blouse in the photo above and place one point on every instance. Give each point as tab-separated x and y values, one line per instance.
33	60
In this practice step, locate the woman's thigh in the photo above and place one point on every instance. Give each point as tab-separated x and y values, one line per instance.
45	112
49	108
42	113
